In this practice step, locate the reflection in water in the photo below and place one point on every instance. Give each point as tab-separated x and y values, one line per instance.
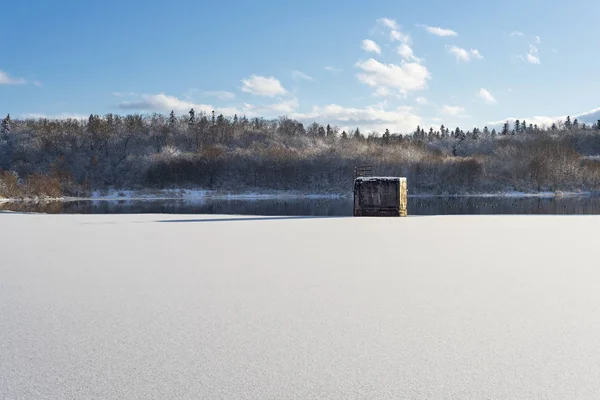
317	207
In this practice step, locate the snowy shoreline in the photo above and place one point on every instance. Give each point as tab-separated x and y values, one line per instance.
199	194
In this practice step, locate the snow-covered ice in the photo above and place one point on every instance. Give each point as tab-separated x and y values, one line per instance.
228	307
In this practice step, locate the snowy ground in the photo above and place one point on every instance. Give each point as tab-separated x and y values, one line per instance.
225	307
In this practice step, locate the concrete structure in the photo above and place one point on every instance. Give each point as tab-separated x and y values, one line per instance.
380	197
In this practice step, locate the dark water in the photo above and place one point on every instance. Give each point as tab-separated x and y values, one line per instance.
320	207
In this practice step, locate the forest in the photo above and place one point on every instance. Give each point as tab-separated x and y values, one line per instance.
54	158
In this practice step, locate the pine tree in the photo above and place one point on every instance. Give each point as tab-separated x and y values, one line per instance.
568	124
357	134
494	132
517	126
6	122
575	124
523	126
486	131
328	131
553	126
505	129
344	135
598	125
457	132
172	118
386	137
192	119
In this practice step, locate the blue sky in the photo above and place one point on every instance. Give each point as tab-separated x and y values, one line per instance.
376	65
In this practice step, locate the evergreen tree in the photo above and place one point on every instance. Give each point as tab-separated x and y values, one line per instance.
357	134
553	126
386	137
493	132
598	125
505	129
344	135
523	126
568	124
328	131
517	126
457	132
192	119
486	131
172	118
6	122
321	131
575	124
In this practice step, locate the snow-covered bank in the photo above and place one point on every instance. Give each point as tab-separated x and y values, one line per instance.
230	307
199	194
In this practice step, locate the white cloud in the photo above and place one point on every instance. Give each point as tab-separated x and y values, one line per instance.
476	54
37	83
388	23
459	53
486	96
54	116
221	94
422	101
397	36
436	30
374	118
406	77
538	40
298	75
588	117
370	46
124	94
463	54
516	33
263	86
5	79
406	52
532	57
452	110
272	110
329	68
164	103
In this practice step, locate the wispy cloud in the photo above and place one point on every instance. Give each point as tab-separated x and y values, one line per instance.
486	96
422	101
373	118
406	52
124	94
221	94
164	103
298	75
533	55
370	46
6	79
388	23
263	86
452	110
329	68
516	33
538	40
464	54
438	31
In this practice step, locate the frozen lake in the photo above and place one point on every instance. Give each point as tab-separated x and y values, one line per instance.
318	207
230	307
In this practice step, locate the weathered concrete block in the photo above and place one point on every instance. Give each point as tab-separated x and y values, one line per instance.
380	197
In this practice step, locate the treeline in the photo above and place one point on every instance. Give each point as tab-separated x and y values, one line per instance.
74	157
